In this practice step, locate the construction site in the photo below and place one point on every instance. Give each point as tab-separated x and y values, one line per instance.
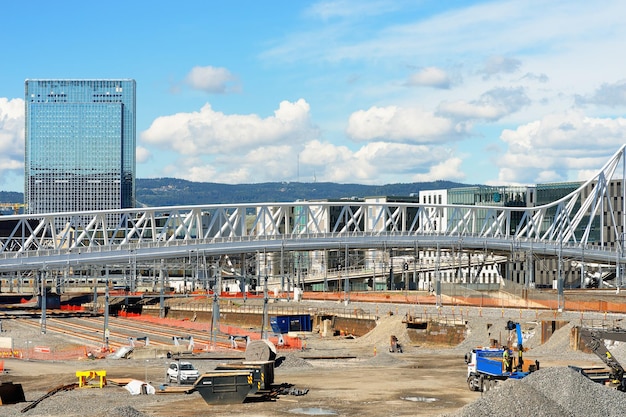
400	355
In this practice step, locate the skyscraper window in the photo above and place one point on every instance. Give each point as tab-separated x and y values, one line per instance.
80	145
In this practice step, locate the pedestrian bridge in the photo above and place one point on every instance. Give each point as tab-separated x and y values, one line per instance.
567	227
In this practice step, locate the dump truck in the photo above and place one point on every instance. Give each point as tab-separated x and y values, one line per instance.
487	366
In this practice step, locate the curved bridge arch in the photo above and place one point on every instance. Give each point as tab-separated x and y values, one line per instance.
57	240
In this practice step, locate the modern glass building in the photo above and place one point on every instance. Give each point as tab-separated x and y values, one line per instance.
80	145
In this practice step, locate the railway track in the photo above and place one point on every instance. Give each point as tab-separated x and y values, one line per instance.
90	330
79	337
165	331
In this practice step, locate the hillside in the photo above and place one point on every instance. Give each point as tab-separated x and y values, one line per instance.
171	191
175	192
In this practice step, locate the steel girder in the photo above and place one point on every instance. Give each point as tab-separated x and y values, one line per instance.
567	222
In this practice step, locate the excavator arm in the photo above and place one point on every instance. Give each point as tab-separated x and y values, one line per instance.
512	326
594	339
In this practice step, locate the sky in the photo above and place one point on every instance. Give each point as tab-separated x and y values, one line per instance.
349	91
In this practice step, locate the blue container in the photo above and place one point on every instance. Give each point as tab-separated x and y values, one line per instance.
292	323
279	325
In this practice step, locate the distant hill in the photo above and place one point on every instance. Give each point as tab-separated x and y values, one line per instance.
172	191
11	197
155	192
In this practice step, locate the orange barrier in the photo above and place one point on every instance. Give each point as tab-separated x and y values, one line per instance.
70	353
69	307
288	342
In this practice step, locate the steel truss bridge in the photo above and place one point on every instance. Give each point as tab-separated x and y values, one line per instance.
588	224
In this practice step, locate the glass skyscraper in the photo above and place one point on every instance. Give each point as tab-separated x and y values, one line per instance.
80	145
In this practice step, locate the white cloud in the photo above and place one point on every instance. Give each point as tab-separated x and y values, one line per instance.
211	132
11	138
558	146
430	77
397	124
345	9
143	154
449	170
12	126
608	94
315	160
500	65
491	105
210	79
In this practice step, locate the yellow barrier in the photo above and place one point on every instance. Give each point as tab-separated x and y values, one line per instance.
85	378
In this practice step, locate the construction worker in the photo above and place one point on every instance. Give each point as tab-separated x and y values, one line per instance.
506	360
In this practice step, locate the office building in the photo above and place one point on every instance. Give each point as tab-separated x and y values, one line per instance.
80	145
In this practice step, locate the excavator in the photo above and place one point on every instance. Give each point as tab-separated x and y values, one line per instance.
594	339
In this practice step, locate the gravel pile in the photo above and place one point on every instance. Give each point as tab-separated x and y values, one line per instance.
109	401
124	411
384	359
513	398
380	336
576	393
558	343
550	392
291	361
481	330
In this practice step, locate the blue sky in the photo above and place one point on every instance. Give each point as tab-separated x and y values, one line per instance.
370	92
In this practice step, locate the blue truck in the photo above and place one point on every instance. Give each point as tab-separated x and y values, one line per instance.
486	366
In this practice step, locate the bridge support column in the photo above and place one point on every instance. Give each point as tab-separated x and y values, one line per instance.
162	291
438	278
94	277
44	296
106	308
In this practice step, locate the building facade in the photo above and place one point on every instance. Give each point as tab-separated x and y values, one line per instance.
80	145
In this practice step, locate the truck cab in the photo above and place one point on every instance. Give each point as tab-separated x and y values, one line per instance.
182	373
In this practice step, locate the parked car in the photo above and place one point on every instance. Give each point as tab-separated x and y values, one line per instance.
182	373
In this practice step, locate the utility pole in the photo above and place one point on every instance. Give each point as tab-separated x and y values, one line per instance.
42	277
105	331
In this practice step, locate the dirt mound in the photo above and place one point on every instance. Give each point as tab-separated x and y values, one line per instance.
380	336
